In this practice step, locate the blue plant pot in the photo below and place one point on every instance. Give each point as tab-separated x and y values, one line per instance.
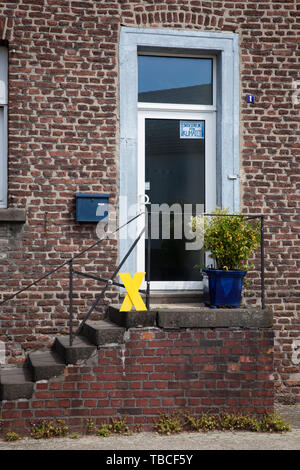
225	287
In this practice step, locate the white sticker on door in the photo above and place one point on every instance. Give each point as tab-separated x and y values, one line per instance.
192	129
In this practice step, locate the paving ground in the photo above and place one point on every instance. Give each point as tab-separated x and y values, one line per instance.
180	443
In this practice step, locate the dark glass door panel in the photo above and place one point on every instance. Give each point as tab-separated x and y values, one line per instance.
175	174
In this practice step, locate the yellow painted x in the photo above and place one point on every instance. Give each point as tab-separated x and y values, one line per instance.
132	285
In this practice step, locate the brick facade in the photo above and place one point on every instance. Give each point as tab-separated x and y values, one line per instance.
157	371
63	139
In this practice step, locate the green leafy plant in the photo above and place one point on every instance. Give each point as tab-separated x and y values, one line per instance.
119	426
273	423
239	422
203	423
230	240
91	428
12	436
116	426
168	424
104	430
45	429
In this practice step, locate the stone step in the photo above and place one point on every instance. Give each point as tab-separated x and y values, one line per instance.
16	383
45	364
100	332
81	348
132	319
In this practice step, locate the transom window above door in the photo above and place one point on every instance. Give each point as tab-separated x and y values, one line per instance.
177	80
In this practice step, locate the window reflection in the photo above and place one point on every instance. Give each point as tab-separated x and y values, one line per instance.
175	80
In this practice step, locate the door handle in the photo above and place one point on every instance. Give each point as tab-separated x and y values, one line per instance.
143	200
146	199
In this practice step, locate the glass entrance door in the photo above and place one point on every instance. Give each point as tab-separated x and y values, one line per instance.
176	173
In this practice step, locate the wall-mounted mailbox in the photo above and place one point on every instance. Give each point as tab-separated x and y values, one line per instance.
92	207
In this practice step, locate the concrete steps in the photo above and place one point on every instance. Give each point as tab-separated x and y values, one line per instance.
44	365
81	349
103	332
132	319
17	382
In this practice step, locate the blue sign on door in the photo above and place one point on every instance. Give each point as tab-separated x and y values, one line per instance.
192	129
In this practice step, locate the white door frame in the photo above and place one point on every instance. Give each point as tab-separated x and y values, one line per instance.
225	48
210	178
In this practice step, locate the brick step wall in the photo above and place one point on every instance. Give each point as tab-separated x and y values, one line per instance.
158	370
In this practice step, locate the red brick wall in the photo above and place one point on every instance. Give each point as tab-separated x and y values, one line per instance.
157	371
63	138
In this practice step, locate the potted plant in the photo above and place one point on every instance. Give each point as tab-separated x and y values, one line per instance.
230	241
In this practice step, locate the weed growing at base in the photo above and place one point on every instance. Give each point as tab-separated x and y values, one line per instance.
12	436
116	426
166	424
44	429
175	423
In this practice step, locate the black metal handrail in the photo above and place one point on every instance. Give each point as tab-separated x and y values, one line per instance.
108	282
77	255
